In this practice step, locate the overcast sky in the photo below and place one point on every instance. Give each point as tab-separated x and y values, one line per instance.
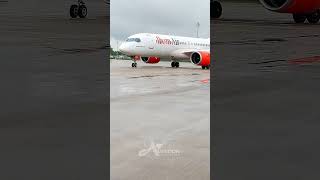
174	17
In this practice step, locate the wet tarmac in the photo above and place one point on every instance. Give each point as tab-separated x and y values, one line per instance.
161	106
265	95
54	107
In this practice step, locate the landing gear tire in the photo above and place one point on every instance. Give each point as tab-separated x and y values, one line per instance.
74	10
299	18
134	65
205	67
82	12
175	64
314	17
216	9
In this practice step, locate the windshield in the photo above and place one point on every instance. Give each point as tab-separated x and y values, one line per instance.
133	40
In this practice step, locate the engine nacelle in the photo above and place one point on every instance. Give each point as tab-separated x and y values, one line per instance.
215	9
150	60
200	58
292	6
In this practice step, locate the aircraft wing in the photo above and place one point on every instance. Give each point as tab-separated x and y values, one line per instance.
186	53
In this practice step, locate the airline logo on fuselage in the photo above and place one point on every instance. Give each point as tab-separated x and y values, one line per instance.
170	41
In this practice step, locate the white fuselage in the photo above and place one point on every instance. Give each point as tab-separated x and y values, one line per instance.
163	46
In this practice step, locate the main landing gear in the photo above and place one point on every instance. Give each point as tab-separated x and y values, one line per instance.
312	18
205	67
79	9
175	64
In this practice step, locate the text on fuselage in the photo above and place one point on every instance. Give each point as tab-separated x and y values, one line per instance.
167	41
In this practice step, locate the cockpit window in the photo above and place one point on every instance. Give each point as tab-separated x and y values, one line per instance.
133	40
137	40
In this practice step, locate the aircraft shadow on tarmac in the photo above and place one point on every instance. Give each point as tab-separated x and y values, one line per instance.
260	22
168	67
298	62
59	51
266	40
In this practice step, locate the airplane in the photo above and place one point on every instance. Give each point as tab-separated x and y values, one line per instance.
150	48
301	10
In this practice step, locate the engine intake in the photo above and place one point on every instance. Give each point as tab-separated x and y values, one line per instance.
275	3
200	58
291	6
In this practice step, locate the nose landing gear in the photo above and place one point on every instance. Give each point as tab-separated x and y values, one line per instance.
79	9
135	59
134	65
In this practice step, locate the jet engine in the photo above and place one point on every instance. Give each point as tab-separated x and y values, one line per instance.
215	9
150	60
300	9
201	58
292	6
